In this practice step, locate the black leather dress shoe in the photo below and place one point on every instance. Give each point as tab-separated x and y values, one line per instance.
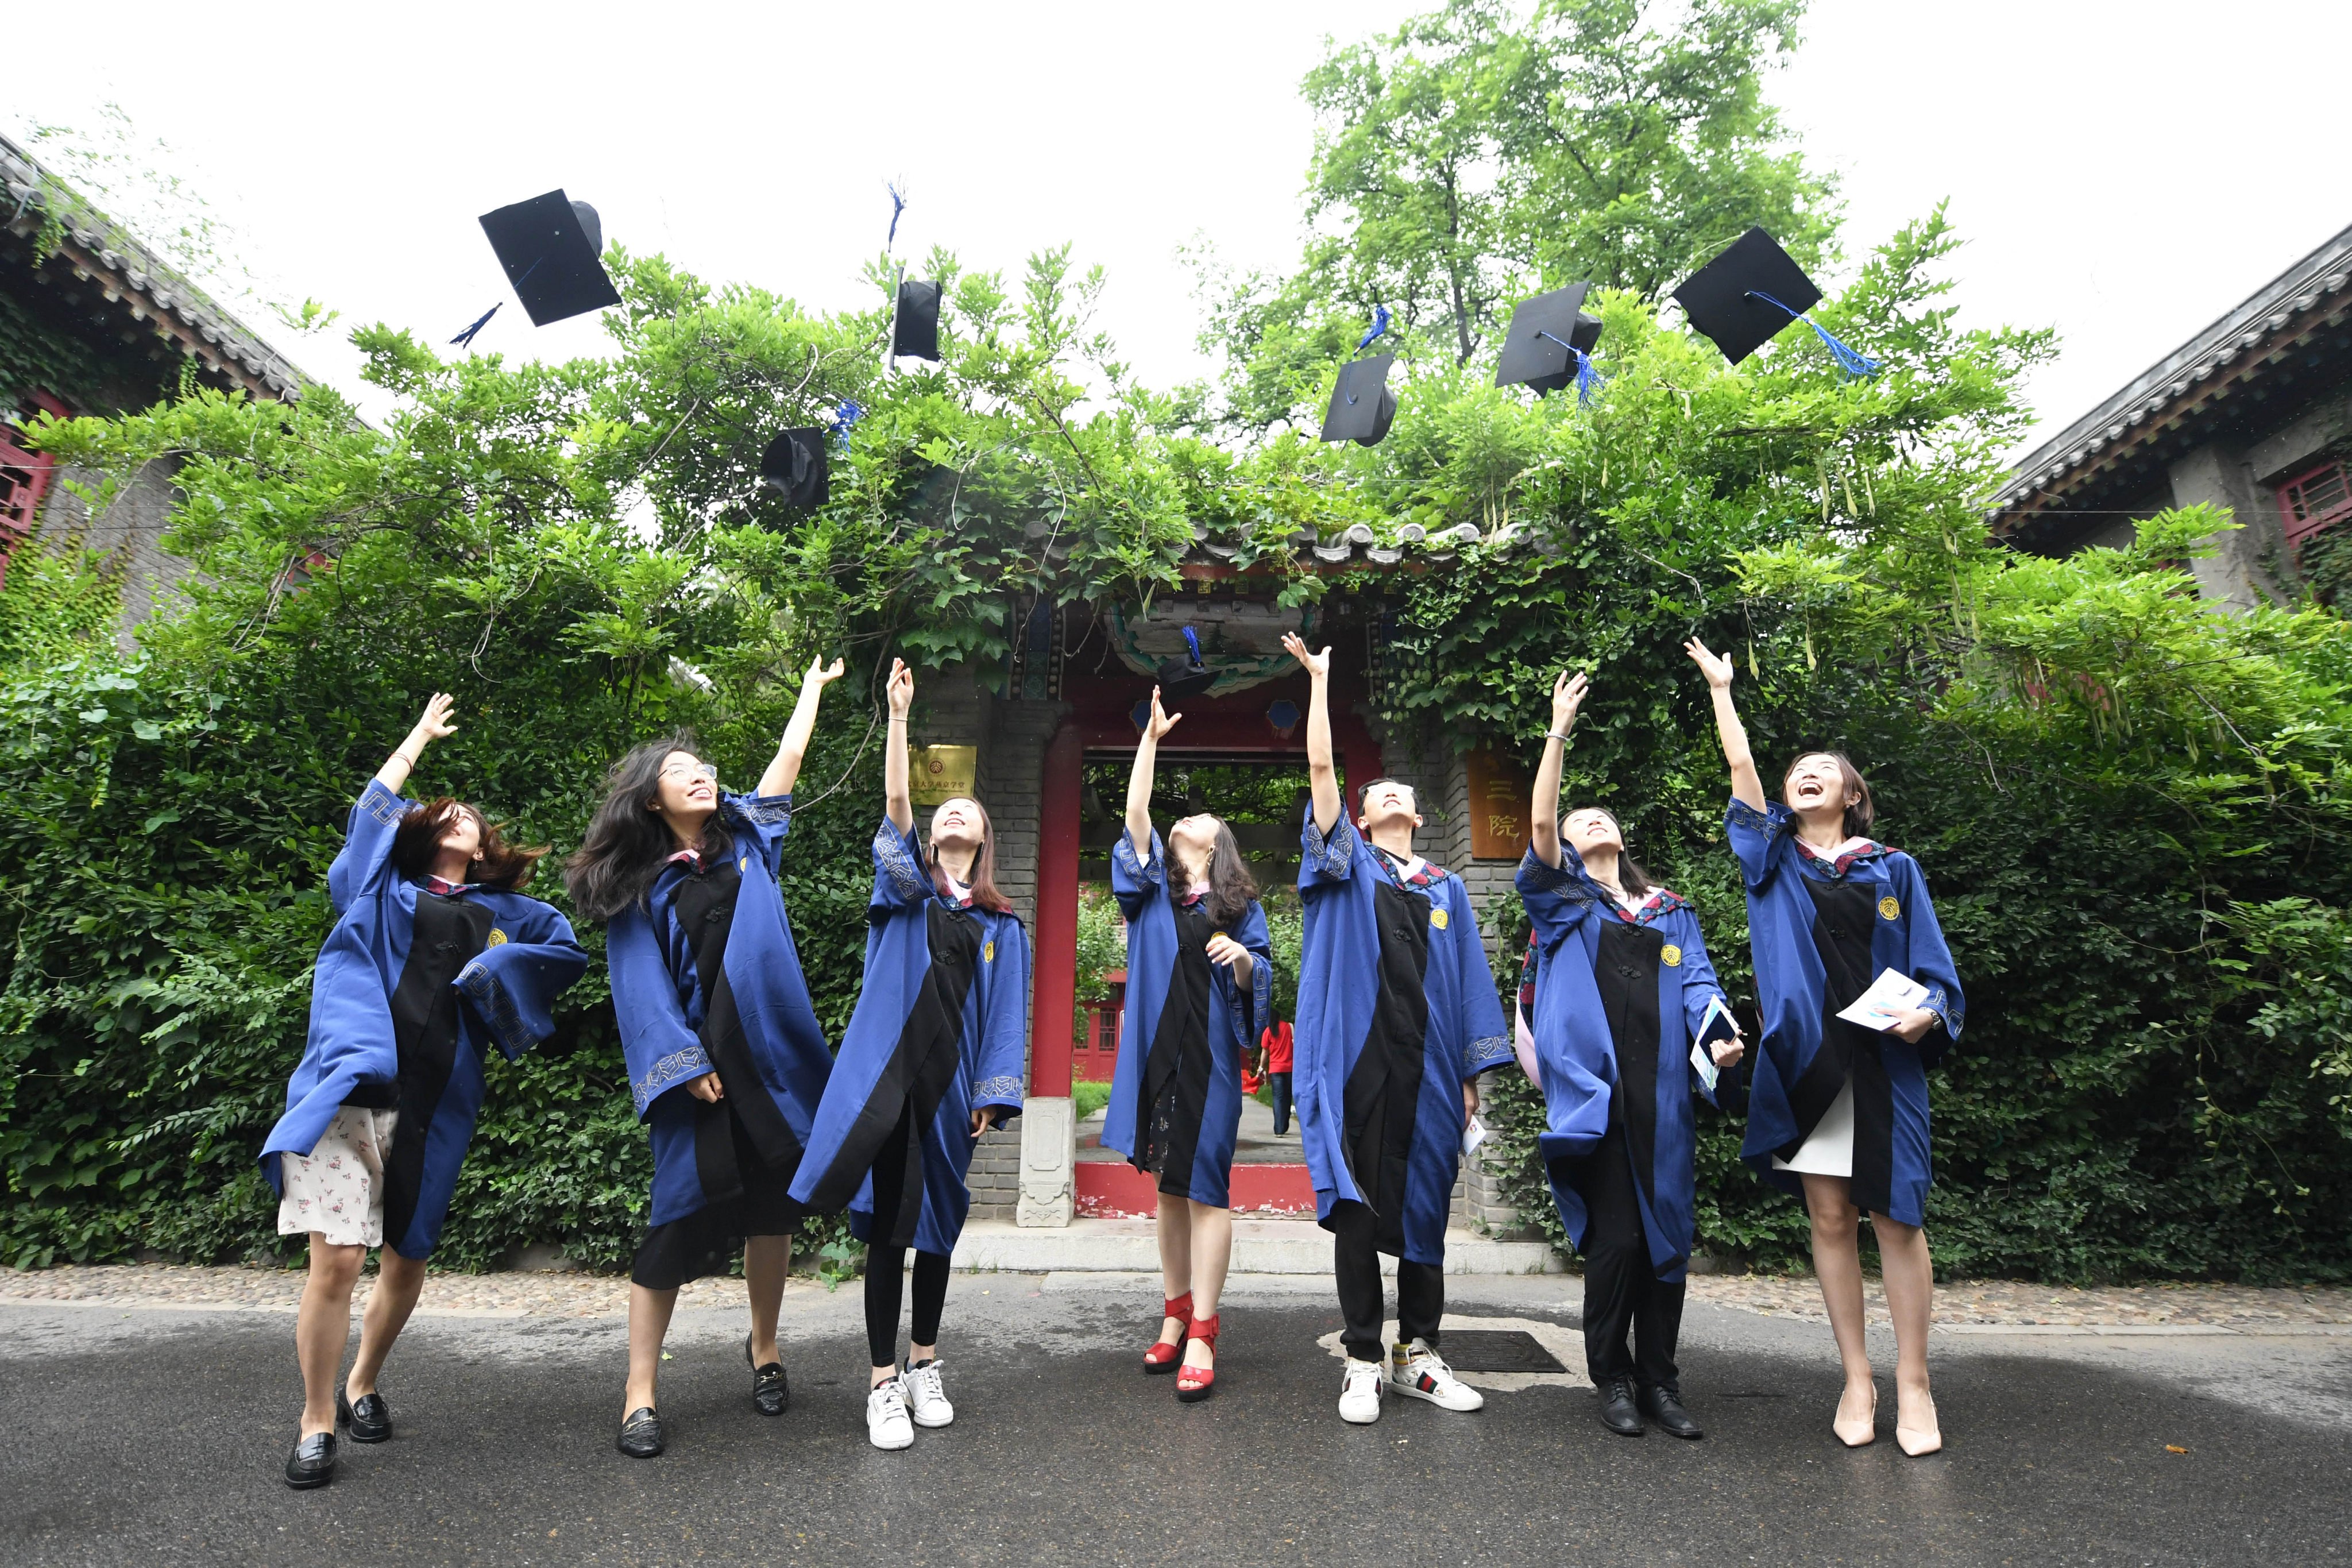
312	1462
641	1434
770	1394
1665	1406
370	1419
1617	1411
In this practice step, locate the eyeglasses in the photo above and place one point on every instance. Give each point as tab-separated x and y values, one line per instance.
697	770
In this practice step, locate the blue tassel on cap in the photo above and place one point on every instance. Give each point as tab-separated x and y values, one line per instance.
897	205
1194	644
844	417
1380	326
1851	361
464	339
1588	380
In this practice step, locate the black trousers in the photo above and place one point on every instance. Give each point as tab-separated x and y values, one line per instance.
1622	1293
886	1265
1356	1266
1281	1085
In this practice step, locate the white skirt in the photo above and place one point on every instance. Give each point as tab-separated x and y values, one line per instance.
1829	1152
337	1189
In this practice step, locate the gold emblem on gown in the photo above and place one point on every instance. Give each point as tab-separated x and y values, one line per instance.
1437	919
1890	908
497	938
988	951
1671	956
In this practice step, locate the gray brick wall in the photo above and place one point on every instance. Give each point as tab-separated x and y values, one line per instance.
130	531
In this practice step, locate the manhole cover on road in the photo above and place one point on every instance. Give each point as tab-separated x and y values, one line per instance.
1496	1349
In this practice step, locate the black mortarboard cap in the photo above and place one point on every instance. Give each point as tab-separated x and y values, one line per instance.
1745	296
1362	404
1182	677
549	246
794	465
1542	330
915	334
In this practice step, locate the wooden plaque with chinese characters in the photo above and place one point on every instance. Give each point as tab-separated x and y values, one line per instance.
936	775
1498	807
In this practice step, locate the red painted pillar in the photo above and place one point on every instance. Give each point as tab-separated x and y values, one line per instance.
1057	936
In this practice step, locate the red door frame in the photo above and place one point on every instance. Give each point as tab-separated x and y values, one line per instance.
1100	720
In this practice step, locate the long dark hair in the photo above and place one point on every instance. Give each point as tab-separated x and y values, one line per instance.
983	881
418	838
1232	888
1859	815
1630	876
615	865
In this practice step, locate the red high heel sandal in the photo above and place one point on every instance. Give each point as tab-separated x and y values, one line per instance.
1195	1384
1163	1357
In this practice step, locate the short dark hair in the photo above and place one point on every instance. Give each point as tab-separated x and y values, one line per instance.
1369	784
1859	815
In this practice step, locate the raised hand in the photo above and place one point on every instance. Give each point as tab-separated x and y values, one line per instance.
1567	696
1715	666
1161	719
902	689
1318	664
822	675
435	725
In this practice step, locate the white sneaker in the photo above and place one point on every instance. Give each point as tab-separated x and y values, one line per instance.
1419	1373
886	1425
1360	1393
926	1395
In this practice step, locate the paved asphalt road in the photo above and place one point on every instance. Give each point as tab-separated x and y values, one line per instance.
156	1437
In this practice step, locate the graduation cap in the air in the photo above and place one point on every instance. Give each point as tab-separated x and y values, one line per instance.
1745	296
794	466
1182	677
1550	343
915	325
550	246
1362	406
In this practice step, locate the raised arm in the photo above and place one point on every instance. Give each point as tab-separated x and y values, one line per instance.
896	803
1139	778
1319	770
1543	818
785	768
430	728
1745	786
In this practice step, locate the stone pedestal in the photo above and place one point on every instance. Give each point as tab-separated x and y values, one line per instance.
1049	1148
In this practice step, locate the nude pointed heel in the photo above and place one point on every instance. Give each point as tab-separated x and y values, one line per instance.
1858	1434
1919	1443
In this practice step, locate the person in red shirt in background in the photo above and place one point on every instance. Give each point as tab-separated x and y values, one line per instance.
1274	1059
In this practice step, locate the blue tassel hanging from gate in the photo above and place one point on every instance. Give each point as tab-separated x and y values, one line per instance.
1855	362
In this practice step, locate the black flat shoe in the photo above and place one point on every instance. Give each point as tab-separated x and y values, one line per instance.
370	1419
1665	1406
312	1462
641	1435
1617	1411
770	1395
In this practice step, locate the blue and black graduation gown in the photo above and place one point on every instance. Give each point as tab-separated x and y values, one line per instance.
706	980
1397	1010
411	989
1819	934
1176	1092
940	1029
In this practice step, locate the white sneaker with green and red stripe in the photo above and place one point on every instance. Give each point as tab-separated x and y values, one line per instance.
1419	1373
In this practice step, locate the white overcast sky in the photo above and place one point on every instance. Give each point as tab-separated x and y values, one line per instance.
2122	172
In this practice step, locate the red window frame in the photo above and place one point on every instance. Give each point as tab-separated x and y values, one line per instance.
2311	502
24	484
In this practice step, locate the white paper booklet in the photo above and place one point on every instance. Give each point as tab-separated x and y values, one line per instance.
1702	1055
1890	996
1474	1134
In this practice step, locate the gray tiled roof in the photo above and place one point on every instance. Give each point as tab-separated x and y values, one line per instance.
236	348
2270	310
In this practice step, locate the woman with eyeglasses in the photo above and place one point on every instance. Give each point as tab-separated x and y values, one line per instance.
726	1059
1199	980
930	1061
435	955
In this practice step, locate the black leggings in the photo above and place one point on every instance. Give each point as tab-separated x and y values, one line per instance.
886	1265
884	1280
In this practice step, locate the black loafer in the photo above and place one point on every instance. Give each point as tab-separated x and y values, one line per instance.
1617	1411
1665	1406
370	1419
641	1435
312	1462
770	1395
